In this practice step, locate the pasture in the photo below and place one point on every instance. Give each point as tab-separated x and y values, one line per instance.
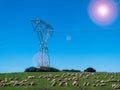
60	81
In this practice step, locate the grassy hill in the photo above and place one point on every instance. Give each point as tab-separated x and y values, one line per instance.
46	80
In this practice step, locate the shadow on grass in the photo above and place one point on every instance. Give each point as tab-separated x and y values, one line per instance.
43	89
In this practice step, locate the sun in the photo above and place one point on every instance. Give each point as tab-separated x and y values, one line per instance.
102	12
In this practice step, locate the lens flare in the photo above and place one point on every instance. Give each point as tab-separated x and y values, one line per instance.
103	12
68	38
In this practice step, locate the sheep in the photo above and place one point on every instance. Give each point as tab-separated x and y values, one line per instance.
69	79
40	76
23	82
113	85
4	84
16	78
68	74
31	77
102	81
0	84
53	83
75	78
32	83
118	80
85	77
97	84
75	83
10	79
112	77
46	76
97	81
94	85
48	79
6	80
12	82
61	84
106	76
116	86
16	83
52	80
102	84
86	84
3	81
73	74
66	79
80	75
66	83
56	76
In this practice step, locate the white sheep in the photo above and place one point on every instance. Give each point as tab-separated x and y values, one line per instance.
61	84
54	83
31	77
86	84
32	83
66	83
75	83
16	83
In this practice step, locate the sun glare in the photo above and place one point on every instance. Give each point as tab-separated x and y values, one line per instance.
103	12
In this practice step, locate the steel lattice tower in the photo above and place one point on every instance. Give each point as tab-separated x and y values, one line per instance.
44	32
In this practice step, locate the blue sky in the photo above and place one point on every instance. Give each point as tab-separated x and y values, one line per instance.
90	45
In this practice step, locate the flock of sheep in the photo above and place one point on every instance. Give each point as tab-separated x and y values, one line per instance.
15	82
66	79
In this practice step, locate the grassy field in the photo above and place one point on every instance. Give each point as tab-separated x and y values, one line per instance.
42	81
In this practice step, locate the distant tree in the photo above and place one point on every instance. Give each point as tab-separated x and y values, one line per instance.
65	70
52	69
90	69
31	69
72	70
47	69
42	69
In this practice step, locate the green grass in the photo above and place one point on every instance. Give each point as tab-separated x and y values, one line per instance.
44	83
